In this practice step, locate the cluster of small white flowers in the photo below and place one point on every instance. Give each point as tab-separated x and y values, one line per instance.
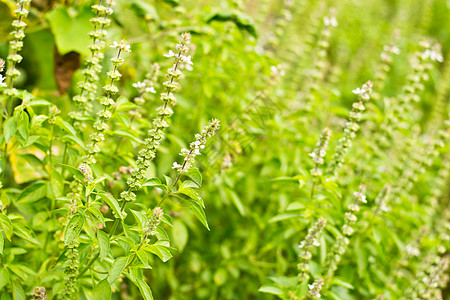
141	86
199	143
411	250
330	21
392	49
320	151
314	289
434	53
364	91
121	46
350	218
182	48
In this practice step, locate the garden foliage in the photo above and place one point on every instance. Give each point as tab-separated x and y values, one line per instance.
327	175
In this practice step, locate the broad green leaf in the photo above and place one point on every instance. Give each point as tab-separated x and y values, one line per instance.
40	102
74	139
9	128
117	269
192	194
180	235
23	125
18	292
198	211
103	244
74	228
144	9
97	214
146	292
195	175
140	217
25	233
271	290
65	126
154	182
242	21
71	32
6	226
159	250
4	277
112	203
131	136
75	172
341	283
283	217
2	243
103	290
33	192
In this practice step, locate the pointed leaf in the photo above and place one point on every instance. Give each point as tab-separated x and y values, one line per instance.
74	228
112	203
103	244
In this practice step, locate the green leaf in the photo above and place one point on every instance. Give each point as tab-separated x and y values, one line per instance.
159	250
146	292
18	292
271	290
6	226
144	9
242	21
117	269
112	203
283	217
180	235
74	139
103	290
75	172
97	214
103	244
140	217
71	32
192	194
129	135
74	228
23	124
168	180
4	277
341	283
33	192
65	126
154	182
174	3
195	175
9	128
198	211
237	202
39	102
25	233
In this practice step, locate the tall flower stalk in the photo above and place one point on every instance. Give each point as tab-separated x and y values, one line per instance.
306	246
15	46
155	135
351	127
88	86
107	102
318	157
401	112
341	244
